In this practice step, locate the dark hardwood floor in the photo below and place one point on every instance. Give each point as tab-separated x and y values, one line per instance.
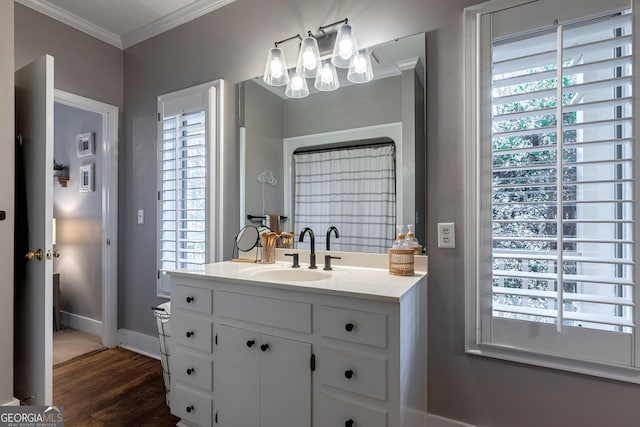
111	387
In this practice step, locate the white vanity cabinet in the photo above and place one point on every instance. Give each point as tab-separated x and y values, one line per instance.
256	354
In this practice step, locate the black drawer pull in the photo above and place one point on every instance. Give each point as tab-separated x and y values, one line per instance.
190	371
264	347
349	327
250	343
190	408
348	423
189	334
190	299
348	374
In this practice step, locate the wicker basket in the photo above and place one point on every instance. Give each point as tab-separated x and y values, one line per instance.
401	261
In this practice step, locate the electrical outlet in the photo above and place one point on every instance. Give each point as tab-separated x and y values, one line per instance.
446	235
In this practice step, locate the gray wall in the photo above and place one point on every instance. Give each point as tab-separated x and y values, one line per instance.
84	65
349	107
78	216
263	119
476	390
6	200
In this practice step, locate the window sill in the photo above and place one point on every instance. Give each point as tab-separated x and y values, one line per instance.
618	373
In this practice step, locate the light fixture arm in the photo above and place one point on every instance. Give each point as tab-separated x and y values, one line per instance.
297	36
342	21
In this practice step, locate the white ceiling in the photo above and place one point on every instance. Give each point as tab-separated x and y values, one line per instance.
123	23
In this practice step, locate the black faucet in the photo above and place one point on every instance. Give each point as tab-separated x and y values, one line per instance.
312	255
335	232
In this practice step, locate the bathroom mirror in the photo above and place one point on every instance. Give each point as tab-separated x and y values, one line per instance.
247	238
391	107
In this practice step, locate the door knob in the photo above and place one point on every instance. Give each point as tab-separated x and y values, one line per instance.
348	374
37	254
264	347
250	343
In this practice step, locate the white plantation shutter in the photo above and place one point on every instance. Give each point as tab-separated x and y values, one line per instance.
556	186
188	137
183	192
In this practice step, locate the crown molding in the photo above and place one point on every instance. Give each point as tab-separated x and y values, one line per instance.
179	17
74	21
175	19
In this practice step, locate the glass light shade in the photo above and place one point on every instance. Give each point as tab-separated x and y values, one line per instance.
360	69
308	57
297	86
327	77
344	47
275	71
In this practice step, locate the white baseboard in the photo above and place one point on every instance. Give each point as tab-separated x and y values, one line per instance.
438	421
140	343
13	402
81	323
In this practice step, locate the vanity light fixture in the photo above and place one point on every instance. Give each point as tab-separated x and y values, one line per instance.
276	72
360	70
345	46
318	58
308	57
327	77
297	86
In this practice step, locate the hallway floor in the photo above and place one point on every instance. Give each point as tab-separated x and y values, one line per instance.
69	343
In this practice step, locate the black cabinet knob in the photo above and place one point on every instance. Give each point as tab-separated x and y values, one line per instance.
190	299
349	327
264	347
348	374
190	371
250	343
189	334
348	423
190	408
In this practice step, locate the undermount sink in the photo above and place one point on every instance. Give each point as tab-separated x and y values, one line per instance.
291	275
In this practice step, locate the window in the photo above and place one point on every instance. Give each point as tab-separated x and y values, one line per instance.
188	137
552	278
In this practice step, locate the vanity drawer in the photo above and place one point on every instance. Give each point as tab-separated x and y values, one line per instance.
192	369
351	371
190	332
334	412
283	314
192	298
361	327
191	406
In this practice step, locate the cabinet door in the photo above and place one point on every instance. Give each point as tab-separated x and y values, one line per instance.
236	379
285	382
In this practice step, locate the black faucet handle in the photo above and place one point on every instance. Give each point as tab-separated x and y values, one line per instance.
327	261
296	260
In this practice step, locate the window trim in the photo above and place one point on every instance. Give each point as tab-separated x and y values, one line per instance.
472	220
213	94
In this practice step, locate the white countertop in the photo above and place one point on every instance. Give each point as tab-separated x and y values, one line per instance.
363	282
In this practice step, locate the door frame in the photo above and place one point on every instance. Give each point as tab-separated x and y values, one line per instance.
109	236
